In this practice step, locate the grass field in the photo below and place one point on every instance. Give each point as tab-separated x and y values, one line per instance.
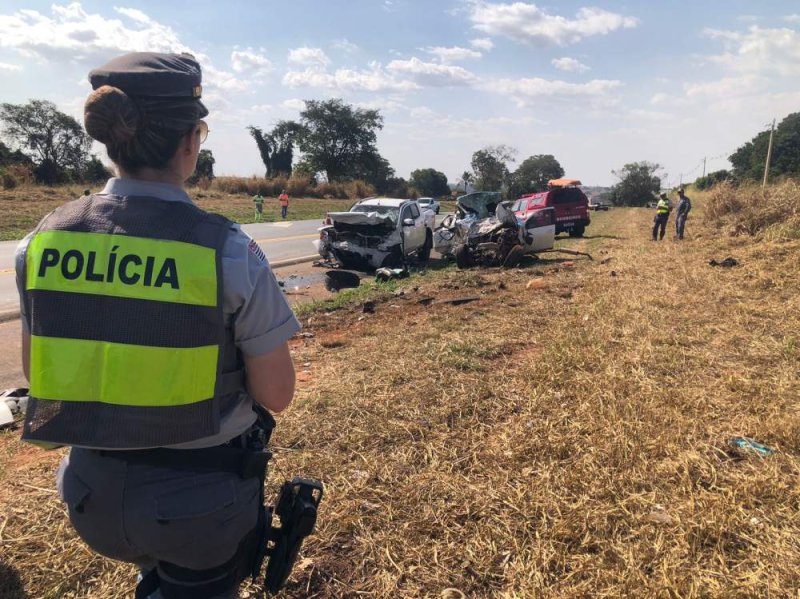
21	209
568	438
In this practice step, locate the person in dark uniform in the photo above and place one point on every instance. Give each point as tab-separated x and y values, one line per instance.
684	206
152	331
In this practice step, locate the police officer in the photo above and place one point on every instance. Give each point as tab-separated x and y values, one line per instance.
662	216
151	329
684	206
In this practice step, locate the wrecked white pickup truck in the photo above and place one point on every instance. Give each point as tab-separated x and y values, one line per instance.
377	232
485	232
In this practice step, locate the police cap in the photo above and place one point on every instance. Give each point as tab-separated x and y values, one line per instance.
152	75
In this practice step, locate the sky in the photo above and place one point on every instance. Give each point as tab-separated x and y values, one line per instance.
596	83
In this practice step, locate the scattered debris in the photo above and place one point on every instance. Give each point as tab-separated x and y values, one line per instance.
538	283
426	301
307	365
741	443
368	308
341	279
387	274
613	273
501	285
306	335
457	301
568	264
726	263
16	400
605	260
6	417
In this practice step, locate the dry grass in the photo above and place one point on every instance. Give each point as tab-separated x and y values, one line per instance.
22	208
568	441
772	213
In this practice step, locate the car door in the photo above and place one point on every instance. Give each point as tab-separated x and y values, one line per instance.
540	229
410	232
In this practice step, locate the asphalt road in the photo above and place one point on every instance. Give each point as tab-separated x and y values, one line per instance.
280	241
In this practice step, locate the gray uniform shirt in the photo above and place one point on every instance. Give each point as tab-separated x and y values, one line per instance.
252	301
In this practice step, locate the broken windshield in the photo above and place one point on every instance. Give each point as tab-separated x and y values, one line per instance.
392	212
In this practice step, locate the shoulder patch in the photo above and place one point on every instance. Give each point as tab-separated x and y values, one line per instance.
254	249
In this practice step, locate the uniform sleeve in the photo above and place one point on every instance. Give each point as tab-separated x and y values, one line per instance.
19	265
262	318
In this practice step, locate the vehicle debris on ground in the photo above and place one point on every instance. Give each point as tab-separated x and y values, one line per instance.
726	263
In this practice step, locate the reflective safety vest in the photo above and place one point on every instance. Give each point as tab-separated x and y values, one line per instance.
129	347
662	207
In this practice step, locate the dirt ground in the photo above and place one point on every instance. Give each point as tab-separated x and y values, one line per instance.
566	434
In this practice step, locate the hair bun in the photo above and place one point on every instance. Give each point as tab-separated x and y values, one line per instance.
111	116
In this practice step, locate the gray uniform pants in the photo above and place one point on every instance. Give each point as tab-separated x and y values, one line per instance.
680	224
140	514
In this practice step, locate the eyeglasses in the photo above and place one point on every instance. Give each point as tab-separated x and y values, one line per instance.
202	131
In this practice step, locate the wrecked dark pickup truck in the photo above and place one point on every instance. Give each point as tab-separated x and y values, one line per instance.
485	232
377	232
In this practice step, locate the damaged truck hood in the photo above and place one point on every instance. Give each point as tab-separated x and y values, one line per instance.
371	222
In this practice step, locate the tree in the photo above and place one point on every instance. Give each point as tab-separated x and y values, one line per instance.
748	160
95	171
490	166
277	147
712	179
533	174
8	157
335	136
638	184
204	168
430	182
466	178
54	141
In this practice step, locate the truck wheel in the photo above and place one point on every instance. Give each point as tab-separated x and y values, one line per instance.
464	257
424	253
577	231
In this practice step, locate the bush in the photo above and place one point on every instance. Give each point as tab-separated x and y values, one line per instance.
298	186
15	175
773	212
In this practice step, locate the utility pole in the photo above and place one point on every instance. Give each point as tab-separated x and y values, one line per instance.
680	185
769	155
704	165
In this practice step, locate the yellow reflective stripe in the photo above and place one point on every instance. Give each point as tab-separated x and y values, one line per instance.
121	374
122	266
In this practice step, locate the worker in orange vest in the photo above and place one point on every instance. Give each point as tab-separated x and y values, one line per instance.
284	200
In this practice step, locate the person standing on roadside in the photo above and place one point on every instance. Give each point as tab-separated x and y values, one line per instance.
684	206
258	202
154	336
662	216
284	200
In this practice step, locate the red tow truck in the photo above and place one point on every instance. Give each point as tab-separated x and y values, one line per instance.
567	199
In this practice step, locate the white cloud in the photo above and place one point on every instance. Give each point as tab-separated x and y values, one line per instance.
523	90
453	54
374	80
9	68
310	57
293	104
726	87
431	74
759	50
251	62
571	65
344	45
529	24
792	18
70	33
482	43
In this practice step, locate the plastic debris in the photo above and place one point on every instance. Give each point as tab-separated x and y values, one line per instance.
726	263
387	274
341	279
742	443
6	417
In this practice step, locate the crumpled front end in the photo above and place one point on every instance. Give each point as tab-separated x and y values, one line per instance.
361	240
